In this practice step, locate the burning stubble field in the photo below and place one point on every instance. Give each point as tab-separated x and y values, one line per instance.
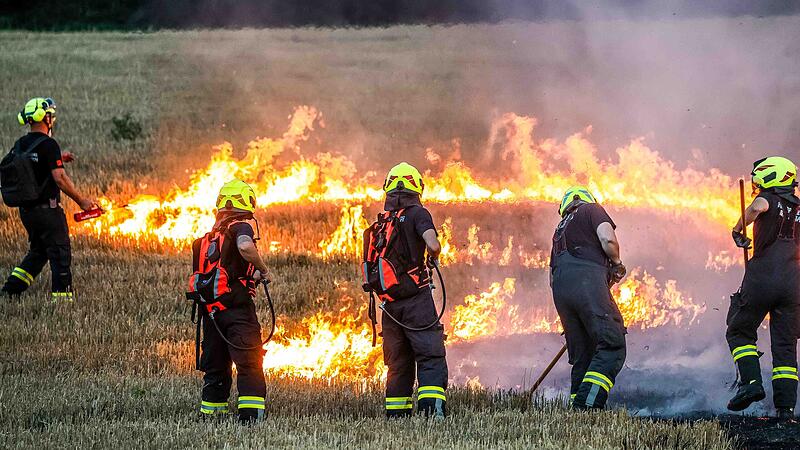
312	118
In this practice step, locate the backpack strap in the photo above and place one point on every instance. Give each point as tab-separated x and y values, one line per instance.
405	238
29	148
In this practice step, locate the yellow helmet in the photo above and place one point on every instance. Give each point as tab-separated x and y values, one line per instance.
774	171
404	176
36	109
236	195
575	193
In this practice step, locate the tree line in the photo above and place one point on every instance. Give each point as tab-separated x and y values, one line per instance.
157	14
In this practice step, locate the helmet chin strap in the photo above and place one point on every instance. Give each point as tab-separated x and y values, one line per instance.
48	121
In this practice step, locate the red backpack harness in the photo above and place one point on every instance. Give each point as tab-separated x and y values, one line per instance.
387	266
214	269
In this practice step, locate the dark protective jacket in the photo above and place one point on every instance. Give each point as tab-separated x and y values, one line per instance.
592	322
771	286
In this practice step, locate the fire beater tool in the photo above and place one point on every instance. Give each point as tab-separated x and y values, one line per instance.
744	225
737	296
546	372
552	364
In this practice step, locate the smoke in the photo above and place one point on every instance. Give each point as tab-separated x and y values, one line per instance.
704	92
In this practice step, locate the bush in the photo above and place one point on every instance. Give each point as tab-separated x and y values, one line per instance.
125	127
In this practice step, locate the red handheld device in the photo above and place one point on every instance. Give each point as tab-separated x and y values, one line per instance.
88	214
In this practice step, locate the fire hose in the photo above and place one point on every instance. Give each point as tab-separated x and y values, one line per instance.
373	312
222	335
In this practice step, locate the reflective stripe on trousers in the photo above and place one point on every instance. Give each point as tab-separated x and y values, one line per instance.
431	392
213	407
784	372
251	401
394	403
22	274
744	350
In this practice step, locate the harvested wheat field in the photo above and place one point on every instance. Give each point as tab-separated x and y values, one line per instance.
499	118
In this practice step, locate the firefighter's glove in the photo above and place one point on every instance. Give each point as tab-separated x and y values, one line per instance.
618	272
261	277
741	240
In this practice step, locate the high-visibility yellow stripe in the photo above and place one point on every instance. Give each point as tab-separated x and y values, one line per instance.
745	350
598	379
406	406
744	347
431	395
786	376
61	294
744	354
213	407
24	280
213	404
430	388
785	372
597	382
251	402
23	275
399	403
251	406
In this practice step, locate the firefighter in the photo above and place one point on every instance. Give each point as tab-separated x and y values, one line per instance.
413	354
771	286
43	217
584	263
231	331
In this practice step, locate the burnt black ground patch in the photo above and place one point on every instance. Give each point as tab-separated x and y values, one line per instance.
755	433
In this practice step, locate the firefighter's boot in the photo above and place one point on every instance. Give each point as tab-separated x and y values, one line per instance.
750	388
785	414
746	396
251	417
14	286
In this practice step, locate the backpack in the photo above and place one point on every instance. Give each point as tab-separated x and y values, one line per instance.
387	264
18	183
212	277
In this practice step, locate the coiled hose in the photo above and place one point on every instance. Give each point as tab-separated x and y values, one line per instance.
373	313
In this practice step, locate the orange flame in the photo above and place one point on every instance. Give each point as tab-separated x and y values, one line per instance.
538	171
338	343
348	238
327	345
642	300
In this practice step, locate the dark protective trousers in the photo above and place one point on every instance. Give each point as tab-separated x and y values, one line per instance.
593	327
769	287
48	236
411	355
240	325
